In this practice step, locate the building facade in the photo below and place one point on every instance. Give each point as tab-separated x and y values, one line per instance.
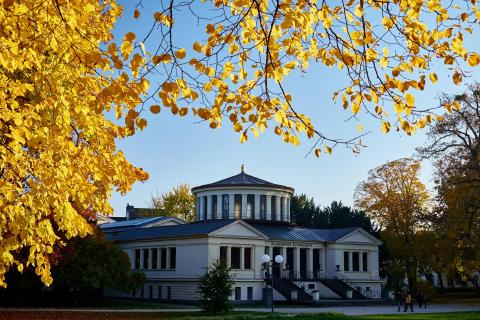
239	219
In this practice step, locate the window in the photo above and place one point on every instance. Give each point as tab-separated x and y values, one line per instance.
274	207
214	207
145	258
355	261
159	292
247	259
250	206
235	258
173	258
141	292
238	206
163	258
249	293
151	292
137	259
263	207
205	206
346	261
223	255
169	293
267	250
365	261
282	209
238	293
154	258
225	205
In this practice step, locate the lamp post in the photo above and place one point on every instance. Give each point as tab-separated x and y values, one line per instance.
267	262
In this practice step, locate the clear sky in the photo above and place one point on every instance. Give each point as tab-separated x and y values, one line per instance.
177	150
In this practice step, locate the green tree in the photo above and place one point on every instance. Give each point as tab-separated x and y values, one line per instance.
178	202
305	213
95	263
216	288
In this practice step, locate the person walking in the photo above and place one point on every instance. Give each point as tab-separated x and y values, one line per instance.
408	302
399	297
424	299
420	299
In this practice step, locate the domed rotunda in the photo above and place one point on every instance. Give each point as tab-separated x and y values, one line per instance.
243	197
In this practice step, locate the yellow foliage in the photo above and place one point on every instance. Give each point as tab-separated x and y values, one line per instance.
58	159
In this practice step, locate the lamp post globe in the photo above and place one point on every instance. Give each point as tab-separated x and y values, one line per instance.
265	258
278	259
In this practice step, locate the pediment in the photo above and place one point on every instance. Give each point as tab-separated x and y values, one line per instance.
359	236
238	229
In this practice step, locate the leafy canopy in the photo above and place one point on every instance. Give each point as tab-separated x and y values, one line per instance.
178	202
61	73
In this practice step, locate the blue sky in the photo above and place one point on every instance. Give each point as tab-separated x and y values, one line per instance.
180	150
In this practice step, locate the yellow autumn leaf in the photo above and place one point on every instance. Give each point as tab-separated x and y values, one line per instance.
433	77
181	53
474	59
155	109
410	100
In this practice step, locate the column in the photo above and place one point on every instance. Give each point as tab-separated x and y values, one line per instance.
284	255
168	258
256	211
296	261
243	214
242	258
201	213
231	206
360	261
284	217
324	261
350	262
269	208
229	254
310	263
288	209
219	206
209	207
277	199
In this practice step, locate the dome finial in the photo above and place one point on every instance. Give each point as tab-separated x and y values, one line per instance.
242	168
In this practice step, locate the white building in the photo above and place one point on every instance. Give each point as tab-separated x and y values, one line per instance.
238	220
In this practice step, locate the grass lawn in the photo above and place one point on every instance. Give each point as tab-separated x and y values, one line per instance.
12	315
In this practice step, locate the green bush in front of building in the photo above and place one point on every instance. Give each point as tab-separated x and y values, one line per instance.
216	288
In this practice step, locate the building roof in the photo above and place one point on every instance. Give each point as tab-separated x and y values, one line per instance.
130	224
289	233
242	180
201	228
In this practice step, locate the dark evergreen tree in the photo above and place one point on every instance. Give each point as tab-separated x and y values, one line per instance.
341	216
216	288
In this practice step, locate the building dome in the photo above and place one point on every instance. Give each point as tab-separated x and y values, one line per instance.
245	197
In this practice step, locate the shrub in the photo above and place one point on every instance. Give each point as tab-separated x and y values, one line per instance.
216	288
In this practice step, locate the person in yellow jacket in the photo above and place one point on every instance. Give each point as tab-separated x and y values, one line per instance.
408	302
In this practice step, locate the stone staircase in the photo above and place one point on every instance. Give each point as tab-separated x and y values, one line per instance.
285	287
340	287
